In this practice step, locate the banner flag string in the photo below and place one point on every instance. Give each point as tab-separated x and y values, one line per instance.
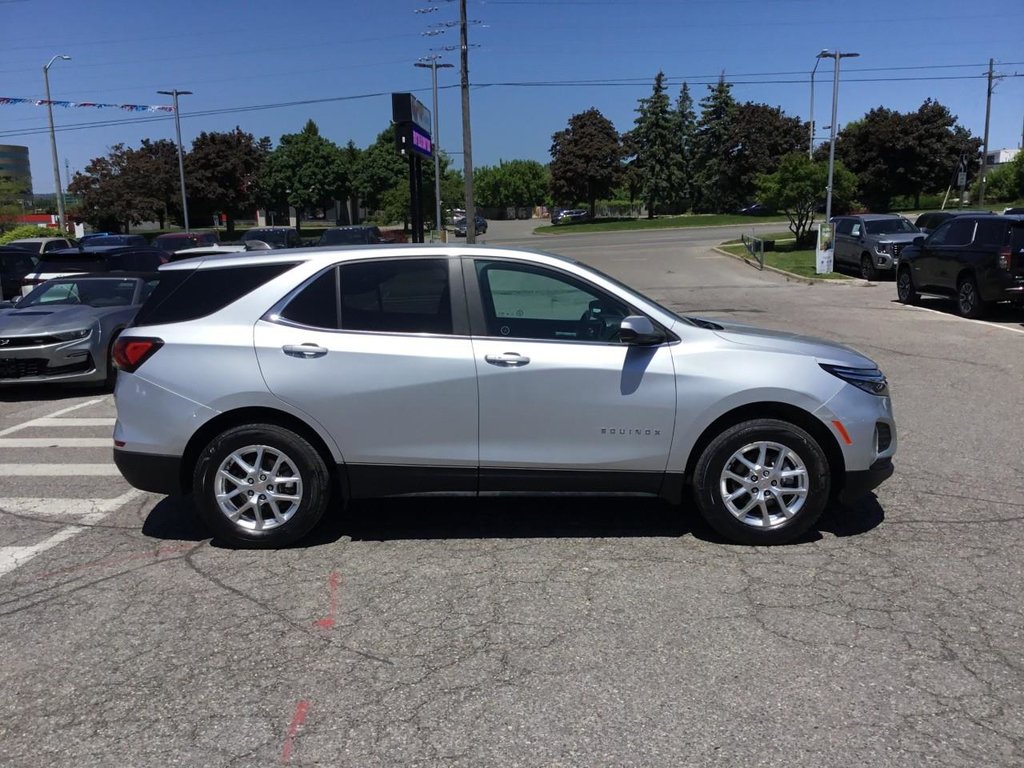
5	100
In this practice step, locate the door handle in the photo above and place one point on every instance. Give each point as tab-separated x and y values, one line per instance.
507	360
304	350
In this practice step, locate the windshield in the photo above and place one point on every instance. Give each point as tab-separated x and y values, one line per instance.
889	227
102	292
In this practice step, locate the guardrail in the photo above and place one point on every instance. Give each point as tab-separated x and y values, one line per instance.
755	247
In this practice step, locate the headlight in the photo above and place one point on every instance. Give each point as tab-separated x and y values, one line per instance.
871	380
72	335
884	247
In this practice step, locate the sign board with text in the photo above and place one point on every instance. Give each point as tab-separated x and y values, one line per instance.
823	261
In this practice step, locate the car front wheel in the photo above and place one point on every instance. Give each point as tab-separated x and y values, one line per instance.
260	485
762	482
867	269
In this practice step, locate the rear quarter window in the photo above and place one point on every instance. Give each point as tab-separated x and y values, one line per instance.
190	294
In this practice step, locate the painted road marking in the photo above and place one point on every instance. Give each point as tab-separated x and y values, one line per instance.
58	470
56	442
62	507
61	412
14	557
88	511
967	319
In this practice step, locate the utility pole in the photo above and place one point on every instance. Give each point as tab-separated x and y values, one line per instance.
57	187
810	142
181	155
984	151
467	138
433	66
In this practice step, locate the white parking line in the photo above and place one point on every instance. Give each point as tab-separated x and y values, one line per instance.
55	414
49	421
88	512
968	320
58	470
56	442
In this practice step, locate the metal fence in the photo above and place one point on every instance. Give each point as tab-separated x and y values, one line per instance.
755	247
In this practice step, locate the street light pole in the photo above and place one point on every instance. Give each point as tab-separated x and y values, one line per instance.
810	142
181	154
433	66
467	136
61	221
832	128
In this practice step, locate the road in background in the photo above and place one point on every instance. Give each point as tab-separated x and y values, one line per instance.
538	632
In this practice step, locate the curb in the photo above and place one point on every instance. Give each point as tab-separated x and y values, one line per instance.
851	281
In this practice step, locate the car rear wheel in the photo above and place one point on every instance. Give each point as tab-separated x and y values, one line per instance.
968	301
905	289
762	482
260	485
867	268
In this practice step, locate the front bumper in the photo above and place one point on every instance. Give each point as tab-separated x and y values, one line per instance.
64	361
859	483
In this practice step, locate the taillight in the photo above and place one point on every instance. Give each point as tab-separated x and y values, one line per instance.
131	352
1005	257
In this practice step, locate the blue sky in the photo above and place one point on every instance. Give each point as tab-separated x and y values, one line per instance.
236	54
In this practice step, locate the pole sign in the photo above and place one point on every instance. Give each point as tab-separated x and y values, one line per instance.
823	252
412	125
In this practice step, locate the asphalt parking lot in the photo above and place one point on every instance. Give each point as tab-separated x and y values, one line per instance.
542	632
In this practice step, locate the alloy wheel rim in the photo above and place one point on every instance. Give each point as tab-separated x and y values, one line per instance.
764	484
865	269
904	285
258	488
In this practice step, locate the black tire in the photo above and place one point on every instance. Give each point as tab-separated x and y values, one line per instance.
300	457
867	268
111	378
968	301
906	291
709	478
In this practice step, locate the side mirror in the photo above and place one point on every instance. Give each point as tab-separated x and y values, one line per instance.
919	241
637	329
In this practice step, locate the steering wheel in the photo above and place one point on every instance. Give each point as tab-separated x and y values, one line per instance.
599	323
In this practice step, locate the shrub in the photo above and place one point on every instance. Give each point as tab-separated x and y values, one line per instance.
27	230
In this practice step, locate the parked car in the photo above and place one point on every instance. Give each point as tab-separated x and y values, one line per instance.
1013	211
274	237
94	258
756	209
15	265
172	242
64	329
979	259
405	370
123	240
930	221
353	235
872	242
460	225
570	216
216	248
84	239
38	245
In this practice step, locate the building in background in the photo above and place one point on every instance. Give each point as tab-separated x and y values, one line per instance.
993	159
14	165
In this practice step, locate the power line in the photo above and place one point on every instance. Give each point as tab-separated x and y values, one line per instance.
509	84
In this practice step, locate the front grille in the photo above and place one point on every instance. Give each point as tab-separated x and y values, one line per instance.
20	342
897	248
23	368
883	436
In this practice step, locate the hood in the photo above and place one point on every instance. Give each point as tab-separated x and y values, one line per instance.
30	320
900	237
787	343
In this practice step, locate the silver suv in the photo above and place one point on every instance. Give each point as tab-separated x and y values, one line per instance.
872	243
269	384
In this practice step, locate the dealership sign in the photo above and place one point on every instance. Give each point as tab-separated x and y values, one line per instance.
412	125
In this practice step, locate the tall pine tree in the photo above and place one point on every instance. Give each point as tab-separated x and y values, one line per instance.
655	147
712	147
684	128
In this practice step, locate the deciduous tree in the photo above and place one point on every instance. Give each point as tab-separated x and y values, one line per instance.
223	171
586	159
511	184
798	185
305	170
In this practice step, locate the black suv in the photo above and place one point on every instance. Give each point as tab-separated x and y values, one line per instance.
978	259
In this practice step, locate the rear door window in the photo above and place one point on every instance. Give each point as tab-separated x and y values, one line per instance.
396	296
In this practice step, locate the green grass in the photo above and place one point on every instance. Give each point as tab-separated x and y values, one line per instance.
786	256
662	222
